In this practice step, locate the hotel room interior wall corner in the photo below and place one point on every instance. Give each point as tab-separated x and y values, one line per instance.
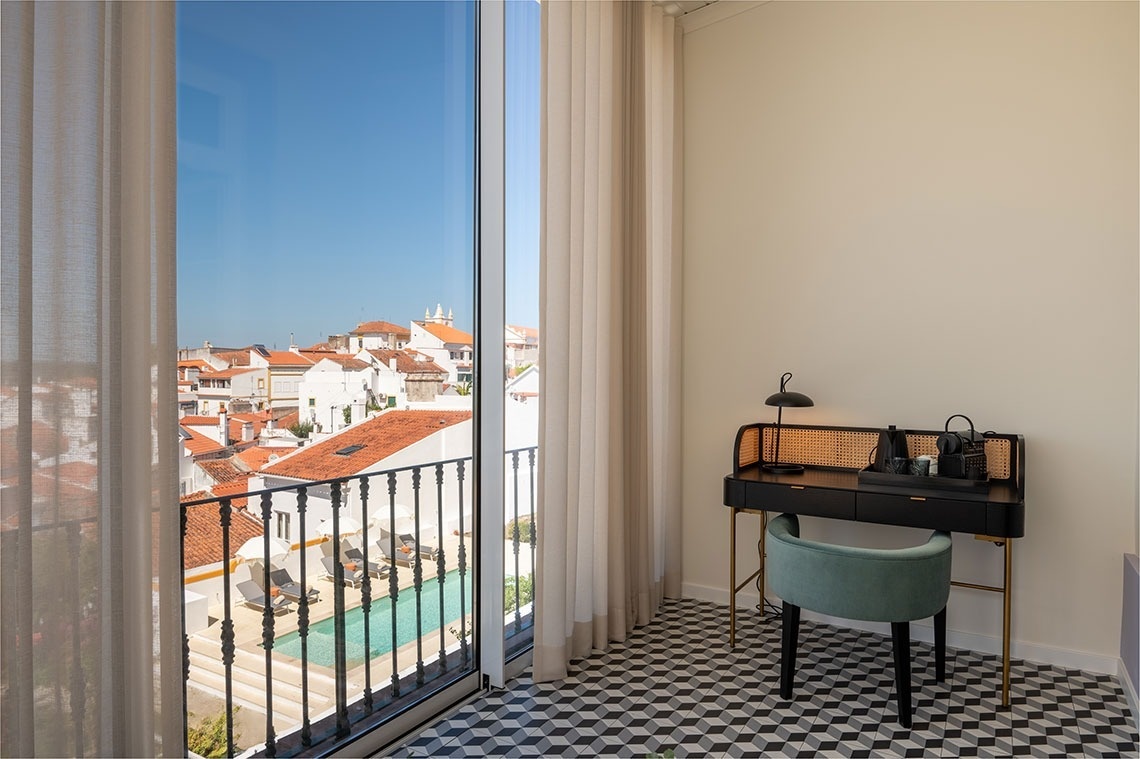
923	209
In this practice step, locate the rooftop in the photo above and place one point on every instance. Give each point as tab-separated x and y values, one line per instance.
381	328
379	438
448	334
203	541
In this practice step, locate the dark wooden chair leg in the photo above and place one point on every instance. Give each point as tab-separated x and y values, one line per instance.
940	645
789	640
900	631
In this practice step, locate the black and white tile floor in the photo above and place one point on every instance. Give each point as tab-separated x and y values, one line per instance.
676	686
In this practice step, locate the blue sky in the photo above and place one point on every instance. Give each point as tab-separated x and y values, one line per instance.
325	166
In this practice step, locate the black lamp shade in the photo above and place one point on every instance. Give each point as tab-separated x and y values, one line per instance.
788	399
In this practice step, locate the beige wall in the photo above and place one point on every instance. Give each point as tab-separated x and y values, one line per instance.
922	209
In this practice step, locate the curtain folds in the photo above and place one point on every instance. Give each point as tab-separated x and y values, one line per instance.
92	651
609	449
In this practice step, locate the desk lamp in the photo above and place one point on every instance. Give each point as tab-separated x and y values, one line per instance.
782	399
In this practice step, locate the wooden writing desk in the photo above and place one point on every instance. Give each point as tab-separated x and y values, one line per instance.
830	487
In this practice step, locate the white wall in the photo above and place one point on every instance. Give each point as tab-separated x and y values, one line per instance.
922	209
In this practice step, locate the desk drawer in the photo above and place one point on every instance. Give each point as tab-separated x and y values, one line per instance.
918	511
795	499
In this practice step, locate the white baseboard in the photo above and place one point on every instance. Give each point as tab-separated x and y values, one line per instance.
988	644
1129	690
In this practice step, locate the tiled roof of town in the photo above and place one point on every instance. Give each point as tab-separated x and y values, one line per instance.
320	348
199	444
193	363
525	331
447	334
233	371
381	328
221	470
233	487
203	540
406	362
286	358
380	437
346	361
191	420
234	358
288	420
257	457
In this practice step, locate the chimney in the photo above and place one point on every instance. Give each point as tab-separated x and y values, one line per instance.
392	364
247	432
270	423
357	411
223	427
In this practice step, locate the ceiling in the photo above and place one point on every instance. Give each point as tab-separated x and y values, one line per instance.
681	7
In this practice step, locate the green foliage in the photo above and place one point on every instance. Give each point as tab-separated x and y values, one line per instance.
463	388
666	754
523	367
208	737
301	429
373	406
525	594
348	415
526	528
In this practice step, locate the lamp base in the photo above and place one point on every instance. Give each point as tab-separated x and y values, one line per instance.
783	468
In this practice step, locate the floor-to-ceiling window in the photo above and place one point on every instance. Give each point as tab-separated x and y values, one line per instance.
327	317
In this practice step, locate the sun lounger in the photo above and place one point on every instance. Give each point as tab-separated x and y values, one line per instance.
375	569
352	577
254	597
289	588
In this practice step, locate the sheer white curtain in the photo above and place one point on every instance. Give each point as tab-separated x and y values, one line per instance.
91	648
609	491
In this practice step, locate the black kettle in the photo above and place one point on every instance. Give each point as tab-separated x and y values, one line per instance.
892	445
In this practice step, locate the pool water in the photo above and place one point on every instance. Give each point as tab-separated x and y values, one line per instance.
322	640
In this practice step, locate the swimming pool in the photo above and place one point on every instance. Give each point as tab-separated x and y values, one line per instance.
322	640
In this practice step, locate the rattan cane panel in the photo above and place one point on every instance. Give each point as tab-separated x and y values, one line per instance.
749	447
852	450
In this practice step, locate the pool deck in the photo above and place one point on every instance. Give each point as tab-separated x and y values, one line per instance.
205	694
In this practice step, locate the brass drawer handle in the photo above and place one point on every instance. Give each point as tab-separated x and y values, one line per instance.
796	487
916	498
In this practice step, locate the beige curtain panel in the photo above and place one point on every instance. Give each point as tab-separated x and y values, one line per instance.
92	661
609	491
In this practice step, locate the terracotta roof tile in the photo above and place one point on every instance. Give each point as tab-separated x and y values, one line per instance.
234	358
449	335
233	371
349	363
203	540
199	444
221	470
199	421
381	328
286	358
257	457
380	437
406	362
525	331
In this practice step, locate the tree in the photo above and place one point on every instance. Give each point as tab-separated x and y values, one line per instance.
347	415
301	429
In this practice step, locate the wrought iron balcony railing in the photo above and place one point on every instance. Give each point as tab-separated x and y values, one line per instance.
387	637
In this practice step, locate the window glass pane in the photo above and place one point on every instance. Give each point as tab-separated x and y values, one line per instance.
326	303
522	327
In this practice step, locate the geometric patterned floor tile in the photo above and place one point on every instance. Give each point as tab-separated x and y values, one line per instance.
674	685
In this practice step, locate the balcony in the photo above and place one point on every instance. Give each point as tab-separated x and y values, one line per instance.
297	643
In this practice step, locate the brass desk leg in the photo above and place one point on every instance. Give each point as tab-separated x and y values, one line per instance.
1007	591
732	579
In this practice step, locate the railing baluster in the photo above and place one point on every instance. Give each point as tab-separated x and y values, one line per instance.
462	570
78	689
441	570
515	539
393	579
366	598
303	620
533	530
224	511
417	578
267	625
338	620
